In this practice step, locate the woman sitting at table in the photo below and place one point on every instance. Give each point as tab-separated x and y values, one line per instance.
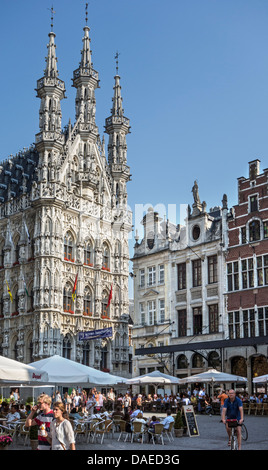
75	415
151	425
140	419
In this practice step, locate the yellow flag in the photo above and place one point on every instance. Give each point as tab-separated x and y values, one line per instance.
9	291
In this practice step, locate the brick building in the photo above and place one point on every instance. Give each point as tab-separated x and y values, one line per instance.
247	275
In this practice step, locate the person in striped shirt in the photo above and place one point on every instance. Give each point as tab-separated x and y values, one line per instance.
42	419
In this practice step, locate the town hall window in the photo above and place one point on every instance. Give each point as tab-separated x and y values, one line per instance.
88	254
68	247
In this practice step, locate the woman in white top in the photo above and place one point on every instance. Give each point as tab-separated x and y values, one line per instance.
61	433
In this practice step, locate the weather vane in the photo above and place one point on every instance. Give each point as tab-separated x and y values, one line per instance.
86	12
52	11
116	57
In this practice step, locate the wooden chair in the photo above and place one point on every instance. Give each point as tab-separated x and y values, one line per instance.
246	407
259	409
157	433
90	427
101	428
116	421
80	430
169	432
123	431
137	431
252	408
265	408
23	432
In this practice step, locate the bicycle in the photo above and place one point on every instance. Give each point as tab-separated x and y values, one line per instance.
232	423
244	432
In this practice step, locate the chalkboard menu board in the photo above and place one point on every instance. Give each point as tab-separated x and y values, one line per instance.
190	421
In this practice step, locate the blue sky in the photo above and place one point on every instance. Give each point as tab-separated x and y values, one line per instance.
194	76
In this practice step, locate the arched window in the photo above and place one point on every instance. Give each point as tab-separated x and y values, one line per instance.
214	360
88	254
105	310
68	247
67	299
66	347
182	362
197	361
254	230
106	257
86	353
87	302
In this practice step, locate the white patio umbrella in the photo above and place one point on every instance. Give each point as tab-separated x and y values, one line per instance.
154	378
64	371
261	379
11	370
213	376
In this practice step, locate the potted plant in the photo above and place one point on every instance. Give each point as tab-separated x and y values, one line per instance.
178	424
5	441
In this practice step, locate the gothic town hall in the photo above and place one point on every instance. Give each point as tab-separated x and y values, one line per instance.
64	225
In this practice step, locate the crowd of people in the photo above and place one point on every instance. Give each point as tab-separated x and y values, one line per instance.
54	414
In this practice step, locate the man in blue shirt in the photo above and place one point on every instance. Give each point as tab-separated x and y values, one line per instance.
233	409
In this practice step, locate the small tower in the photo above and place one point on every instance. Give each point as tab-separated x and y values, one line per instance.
51	90
86	80
117	126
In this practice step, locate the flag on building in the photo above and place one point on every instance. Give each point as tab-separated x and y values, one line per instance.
27	232
25	287
9	291
110	296
74	288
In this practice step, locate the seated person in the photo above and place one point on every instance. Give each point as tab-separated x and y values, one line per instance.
151	425
167	420
137	411
118	412
74	414
13	416
139	419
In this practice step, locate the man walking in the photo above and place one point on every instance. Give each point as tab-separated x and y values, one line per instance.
43	420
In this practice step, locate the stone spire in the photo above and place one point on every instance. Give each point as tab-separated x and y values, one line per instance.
86	80
51	90
117	127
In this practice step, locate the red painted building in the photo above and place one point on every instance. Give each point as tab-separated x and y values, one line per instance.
247	274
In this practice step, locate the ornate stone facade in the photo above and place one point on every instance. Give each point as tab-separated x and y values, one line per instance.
64	218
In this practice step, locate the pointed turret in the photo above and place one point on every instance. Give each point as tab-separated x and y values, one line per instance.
117	126
86	80
51	90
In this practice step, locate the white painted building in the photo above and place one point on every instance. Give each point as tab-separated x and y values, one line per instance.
179	286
